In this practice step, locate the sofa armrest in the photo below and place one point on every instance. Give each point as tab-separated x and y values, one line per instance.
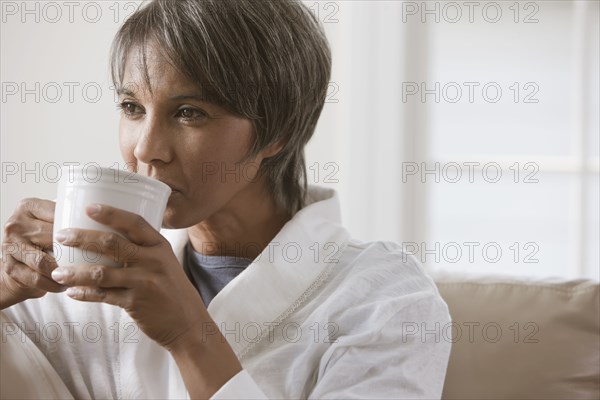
521	338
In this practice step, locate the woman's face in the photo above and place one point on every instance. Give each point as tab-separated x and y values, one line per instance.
170	133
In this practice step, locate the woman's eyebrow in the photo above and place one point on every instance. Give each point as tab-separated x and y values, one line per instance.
188	96
126	92
192	96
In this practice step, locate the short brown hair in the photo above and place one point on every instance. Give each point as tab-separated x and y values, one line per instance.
268	61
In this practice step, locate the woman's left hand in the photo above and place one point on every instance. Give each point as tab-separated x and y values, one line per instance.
152	287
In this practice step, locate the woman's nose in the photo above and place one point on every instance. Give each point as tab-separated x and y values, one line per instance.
152	142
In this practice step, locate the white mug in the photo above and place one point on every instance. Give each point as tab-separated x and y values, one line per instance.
82	186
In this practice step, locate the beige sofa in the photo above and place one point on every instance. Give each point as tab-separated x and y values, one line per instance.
521	338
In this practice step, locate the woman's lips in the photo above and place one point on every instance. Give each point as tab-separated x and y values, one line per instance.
173	187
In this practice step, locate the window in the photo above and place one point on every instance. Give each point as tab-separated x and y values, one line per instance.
468	132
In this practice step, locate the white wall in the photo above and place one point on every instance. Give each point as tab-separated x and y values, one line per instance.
46	126
57	128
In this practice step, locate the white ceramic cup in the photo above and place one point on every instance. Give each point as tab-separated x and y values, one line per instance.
81	186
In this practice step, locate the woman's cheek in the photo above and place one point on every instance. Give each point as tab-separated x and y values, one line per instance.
127	146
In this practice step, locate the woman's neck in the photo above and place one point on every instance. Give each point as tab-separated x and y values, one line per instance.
242	228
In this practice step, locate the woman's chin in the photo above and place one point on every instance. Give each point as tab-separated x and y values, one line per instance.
173	218
176	216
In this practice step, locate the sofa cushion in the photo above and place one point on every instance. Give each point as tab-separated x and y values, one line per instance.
521	338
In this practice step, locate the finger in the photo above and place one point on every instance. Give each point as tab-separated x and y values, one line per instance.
99	276
39	208
35	231
108	244
30	255
27	278
133	226
116	297
40	234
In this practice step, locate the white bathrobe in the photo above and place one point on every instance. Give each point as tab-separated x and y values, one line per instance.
316	315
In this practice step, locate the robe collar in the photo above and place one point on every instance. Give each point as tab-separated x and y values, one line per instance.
294	264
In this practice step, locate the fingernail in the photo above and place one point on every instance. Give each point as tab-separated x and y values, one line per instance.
61	236
59	275
93	209
73	292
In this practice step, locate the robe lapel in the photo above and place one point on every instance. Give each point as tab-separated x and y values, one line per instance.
282	277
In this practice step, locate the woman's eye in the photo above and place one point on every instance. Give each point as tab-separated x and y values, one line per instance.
129	108
190	113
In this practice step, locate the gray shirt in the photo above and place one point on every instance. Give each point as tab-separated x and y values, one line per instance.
210	274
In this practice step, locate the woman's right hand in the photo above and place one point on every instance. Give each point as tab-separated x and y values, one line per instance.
26	267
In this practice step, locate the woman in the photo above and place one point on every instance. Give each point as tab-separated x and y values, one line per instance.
253	290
